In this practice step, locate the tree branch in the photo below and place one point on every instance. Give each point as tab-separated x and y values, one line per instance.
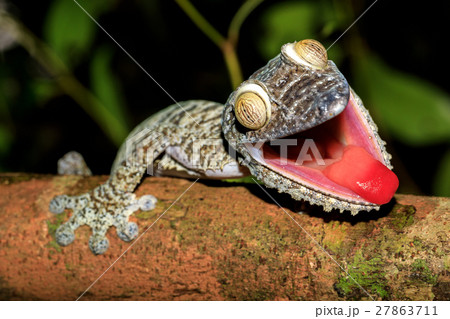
223	241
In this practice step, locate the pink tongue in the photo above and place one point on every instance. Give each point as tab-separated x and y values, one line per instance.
363	174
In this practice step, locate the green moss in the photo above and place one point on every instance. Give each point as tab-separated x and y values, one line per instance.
259	295
175	211
258	258
421	271
334	239
243	180
55	222
173	224
145	214
68	266
53	245
417	242
369	274
447	263
402	216
52	226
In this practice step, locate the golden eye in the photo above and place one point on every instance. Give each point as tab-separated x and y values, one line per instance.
312	52
251	111
252	107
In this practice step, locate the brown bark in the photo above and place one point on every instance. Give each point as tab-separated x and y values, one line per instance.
223	241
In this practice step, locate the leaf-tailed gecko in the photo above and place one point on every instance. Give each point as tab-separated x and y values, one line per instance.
295	124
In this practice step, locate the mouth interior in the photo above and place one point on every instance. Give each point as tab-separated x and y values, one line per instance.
340	157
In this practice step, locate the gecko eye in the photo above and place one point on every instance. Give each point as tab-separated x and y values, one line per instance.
308	52
252	107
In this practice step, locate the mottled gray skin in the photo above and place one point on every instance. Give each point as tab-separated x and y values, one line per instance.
301	98
73	164
170	137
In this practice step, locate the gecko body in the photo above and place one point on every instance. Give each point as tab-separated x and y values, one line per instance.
293	96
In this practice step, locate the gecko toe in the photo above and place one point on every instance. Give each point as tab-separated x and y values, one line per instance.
128	232
98	244
64	235
147	202
109	204
58	204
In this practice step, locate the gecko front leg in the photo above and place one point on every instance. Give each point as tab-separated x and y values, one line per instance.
183	140
111	203
105	206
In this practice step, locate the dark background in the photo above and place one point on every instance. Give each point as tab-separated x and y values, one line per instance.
409	38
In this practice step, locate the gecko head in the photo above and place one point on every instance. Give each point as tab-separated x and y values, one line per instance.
300	128
299	89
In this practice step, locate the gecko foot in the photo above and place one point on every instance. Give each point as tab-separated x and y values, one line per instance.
100	209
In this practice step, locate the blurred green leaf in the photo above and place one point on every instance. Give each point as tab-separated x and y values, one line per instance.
412	110
106	86
441	185
43	89
288	22
293	21
336	16
69	30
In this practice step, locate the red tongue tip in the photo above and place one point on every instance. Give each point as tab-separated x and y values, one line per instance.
363	174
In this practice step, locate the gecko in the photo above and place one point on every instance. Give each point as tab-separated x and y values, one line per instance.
295	124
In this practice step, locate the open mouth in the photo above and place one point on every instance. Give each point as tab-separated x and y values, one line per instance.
340	158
